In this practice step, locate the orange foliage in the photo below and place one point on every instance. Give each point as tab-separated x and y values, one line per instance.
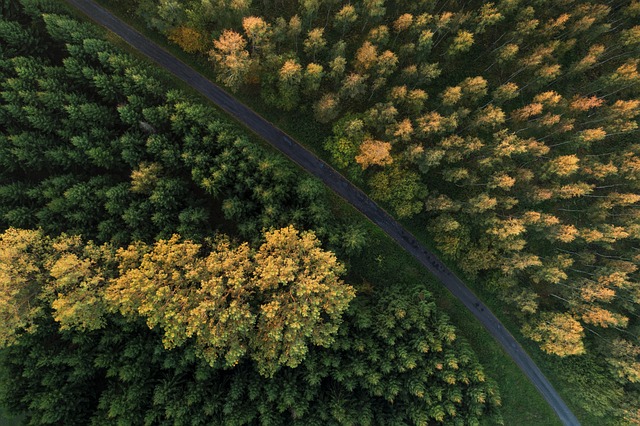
374	152
580	103
603	318
527	111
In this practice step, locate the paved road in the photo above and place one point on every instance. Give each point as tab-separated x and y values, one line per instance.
340	185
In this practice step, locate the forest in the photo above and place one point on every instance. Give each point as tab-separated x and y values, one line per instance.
157	266
507	130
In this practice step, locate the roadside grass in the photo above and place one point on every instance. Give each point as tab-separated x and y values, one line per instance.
385	262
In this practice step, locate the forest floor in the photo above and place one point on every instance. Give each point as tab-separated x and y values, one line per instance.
521	402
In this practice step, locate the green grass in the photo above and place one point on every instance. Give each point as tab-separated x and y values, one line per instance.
385	262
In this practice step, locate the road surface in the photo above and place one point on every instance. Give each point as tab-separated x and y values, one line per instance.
341	186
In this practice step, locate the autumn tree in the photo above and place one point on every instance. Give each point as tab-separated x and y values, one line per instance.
231	58
374	152
189	39
558	334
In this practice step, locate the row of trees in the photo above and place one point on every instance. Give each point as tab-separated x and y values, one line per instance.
200	330
233	302
509	127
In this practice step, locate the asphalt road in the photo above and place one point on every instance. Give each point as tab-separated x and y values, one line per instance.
341	186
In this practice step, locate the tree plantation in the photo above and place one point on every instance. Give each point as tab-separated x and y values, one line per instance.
508	130
159	267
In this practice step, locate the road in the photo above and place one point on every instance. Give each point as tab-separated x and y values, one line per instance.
341	186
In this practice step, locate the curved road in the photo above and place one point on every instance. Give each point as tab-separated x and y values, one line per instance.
341	186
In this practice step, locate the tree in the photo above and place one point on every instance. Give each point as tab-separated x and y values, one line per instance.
258	32
289	80
366	57
348	135
326	108
338	66
558	333
22	264
353	86
373	152
489	15
231	59
189	39
505	92
345	17
312	78
315	42
490	117
474	88
145	178
302	287
461	43
402	189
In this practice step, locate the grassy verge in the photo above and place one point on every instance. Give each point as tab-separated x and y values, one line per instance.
384	262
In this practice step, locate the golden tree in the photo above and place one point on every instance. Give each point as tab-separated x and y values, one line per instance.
231	58
189	39
269	305
22	277
302	298
558	333
373	152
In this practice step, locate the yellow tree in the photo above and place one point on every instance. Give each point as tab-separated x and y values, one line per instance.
558	333
373	152
231	58
258	32
289	80
461	43
345	17
302	298
366	57
268	306
190	40
315	42
22	277
80	274
312	77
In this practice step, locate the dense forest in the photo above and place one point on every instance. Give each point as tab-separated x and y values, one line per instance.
507	129
159	267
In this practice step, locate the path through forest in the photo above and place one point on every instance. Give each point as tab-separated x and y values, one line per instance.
341	186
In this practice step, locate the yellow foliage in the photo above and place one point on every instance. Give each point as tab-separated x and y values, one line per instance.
564	165
189	39
580	103
558	333
22	256
603	318
373	152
